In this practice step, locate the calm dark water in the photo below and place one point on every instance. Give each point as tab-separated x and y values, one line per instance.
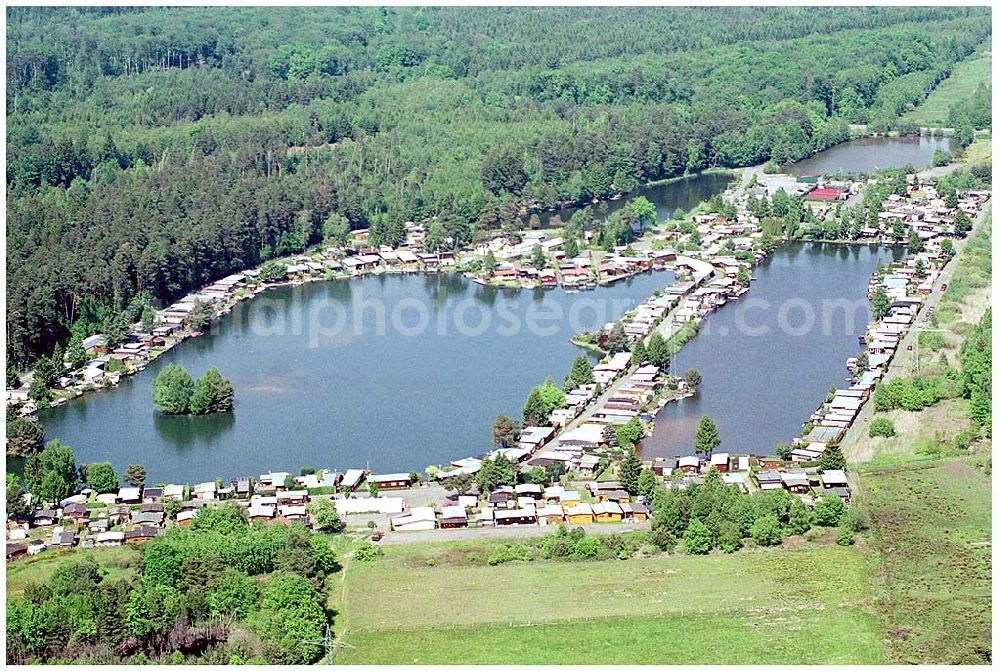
684	193
392	399
759	386
872	153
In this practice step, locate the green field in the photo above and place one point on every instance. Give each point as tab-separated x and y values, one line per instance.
425	604
816	636
980	151
964	79
931	559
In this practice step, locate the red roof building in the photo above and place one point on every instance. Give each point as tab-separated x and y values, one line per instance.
825	194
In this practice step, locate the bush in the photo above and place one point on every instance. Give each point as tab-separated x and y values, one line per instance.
730	538
855	519
366	551
662	538
814	534
941	158
883	427
766	530
508	553
845	536
912	393
649	550
828	511
587	547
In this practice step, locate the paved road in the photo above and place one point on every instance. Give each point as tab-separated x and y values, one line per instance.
437	535
856	444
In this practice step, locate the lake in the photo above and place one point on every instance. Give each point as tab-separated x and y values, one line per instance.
320	382
684	193
872	153
390	372
764	369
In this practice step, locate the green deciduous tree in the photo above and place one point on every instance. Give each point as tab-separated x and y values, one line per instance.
766	530
697	538
325	512
101	477
629	434
172	390
200	316
692	378
291	619
828	511
235	594
51	474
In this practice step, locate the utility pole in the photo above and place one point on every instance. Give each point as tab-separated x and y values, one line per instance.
331	646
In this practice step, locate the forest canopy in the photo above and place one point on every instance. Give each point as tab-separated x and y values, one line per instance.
150	151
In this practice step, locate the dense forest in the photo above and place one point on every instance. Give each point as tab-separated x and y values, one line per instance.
152	150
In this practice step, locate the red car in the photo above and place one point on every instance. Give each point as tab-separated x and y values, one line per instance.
944	287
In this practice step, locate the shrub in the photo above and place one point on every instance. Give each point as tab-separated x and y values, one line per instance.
366	551
508	553
587	547
882	426
855	519
799	518
662	538
730	538
845	536
649	550
697	538
828	511
766	530
814	534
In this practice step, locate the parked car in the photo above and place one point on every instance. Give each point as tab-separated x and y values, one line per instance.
944	287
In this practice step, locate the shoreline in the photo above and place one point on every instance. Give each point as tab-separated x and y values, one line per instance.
709	274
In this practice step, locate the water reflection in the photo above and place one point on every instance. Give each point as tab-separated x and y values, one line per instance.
872	153
187	431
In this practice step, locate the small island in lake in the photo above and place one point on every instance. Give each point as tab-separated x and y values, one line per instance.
176	393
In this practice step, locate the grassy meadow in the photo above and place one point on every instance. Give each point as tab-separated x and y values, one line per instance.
428	604
964	79
931	559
